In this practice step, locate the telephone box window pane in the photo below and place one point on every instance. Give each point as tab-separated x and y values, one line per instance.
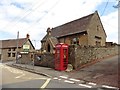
65	52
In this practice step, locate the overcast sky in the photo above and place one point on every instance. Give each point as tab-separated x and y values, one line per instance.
35	16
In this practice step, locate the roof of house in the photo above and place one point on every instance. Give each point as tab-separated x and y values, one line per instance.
77	26
13	42
73	27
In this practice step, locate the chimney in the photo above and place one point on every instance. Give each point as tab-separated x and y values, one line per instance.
48	31
27	36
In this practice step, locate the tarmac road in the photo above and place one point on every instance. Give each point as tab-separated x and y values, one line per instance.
104	72
15	78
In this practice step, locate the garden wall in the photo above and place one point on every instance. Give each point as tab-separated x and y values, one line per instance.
79	56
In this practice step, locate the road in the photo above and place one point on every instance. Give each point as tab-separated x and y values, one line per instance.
102	73
15	78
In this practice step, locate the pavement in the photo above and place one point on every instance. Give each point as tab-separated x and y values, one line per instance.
102	73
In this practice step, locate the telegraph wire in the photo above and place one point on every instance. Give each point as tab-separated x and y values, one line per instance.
26	14
50	9
105	8
44	14
31	11
35	42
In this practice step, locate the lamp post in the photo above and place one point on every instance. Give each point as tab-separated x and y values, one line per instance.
17	46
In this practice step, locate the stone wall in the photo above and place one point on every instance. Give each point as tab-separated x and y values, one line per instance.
45	60
79	56
25	59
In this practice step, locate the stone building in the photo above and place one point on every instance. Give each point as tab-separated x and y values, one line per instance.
86	31
9	47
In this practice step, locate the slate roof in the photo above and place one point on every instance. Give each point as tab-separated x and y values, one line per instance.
73	27
12	43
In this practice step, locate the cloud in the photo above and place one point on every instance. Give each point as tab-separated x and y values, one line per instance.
34	16
110	23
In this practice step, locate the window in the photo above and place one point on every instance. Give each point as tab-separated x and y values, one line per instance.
13	54
75	41
65	54
9	54
48	48
97	37
9	49
13	49
97	28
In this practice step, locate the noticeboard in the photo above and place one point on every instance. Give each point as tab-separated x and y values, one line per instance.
26	48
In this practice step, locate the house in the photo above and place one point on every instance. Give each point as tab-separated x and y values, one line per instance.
10	48
86	31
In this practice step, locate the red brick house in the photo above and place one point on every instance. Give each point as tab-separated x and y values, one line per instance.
86	31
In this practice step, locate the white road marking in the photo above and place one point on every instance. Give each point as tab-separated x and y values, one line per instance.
72	79
68	81
59	79
13	70
20	76
55	78
32	78
109	87
84	85
63	77
92	83
46	83
1	65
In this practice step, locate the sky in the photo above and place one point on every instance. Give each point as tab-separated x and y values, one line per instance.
35	16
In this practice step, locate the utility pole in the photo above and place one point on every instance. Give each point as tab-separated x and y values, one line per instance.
17	46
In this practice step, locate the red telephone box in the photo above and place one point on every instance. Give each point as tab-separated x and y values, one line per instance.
61	56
